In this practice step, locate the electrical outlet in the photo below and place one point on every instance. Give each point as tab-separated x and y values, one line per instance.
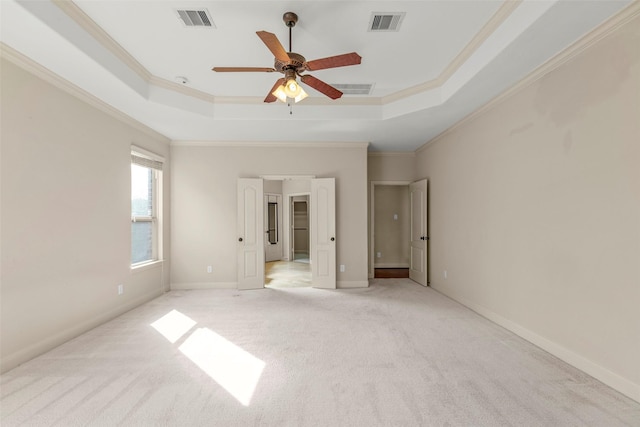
379	254
120	289
342	269
209	269
395	217
445	274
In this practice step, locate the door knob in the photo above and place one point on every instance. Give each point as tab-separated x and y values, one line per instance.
333	239
240	239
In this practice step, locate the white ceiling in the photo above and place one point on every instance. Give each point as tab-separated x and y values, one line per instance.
447	59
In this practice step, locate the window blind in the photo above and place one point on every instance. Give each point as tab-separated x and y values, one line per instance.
148	163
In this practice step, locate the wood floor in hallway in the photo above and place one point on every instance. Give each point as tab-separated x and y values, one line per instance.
285	274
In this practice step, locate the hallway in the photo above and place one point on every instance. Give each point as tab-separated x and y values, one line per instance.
284	274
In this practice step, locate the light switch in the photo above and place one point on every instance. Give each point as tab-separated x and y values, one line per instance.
395	217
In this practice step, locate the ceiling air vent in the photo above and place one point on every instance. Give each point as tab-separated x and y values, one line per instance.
389	21
196	18
354	88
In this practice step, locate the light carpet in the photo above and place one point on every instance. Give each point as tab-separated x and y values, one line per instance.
392	354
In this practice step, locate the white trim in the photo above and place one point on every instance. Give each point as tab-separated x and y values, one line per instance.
391	154
498	18
286	177
613	380
273	144
203	285
144	266
90	26
142	152
352	284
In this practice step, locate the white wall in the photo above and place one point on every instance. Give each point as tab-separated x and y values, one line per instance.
535	210
204	181
66	216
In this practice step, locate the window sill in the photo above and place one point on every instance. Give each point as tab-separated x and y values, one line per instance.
137	268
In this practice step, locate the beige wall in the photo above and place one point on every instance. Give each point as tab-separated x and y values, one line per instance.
204	206
66	216
391	228
535	211
391	166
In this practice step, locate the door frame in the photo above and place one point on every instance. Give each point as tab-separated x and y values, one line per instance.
373	218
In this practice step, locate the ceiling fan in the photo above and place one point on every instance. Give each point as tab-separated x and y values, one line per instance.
292	64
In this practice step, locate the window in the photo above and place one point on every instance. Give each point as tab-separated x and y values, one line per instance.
146	209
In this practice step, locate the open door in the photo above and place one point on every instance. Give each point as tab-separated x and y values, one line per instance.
323	232
418	255
250	233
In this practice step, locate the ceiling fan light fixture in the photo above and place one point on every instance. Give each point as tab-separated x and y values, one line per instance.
292	88
280	94
302	95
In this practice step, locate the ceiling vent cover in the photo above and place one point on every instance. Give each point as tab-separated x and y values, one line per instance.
388	21
196	18
354	88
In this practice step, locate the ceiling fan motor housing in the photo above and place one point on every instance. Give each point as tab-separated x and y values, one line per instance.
296	62
290	19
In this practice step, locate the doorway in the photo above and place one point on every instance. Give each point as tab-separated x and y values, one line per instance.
294	269
398	230
300	229
391	230
251	231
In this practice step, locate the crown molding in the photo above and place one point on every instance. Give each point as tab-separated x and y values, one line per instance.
612	24
269	144
498	18
489	27
253	100
391	154
27	64
91	27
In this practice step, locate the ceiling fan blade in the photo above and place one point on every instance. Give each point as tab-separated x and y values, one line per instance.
274	45
321	86
243	69
334	61
271	97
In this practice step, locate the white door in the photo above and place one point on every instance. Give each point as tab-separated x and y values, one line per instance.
323	232
250	238
418	255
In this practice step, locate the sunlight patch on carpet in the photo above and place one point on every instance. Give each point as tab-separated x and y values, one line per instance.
173	325
236	370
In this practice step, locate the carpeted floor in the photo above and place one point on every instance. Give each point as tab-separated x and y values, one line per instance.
392	354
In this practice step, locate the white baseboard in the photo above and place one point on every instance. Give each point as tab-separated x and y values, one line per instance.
21	356
613	380
203	285
390	265
352	284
